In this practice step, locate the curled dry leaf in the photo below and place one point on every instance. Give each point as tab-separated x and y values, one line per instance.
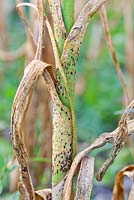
45	194
39	8
116	137
118	191
56	55
23	17
118	142
33	71
24	49
85	179
21	102
130	174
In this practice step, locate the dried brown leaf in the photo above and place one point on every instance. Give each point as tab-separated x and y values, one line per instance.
45	194
119	140
23	17
103	139
118	191
55	50
85	179
21	102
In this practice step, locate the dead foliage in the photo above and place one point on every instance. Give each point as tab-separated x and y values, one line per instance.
118	191
82	164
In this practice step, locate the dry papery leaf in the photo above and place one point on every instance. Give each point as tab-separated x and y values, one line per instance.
45	194
21	102
33	71
85	179
22	14
118	191
24	49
